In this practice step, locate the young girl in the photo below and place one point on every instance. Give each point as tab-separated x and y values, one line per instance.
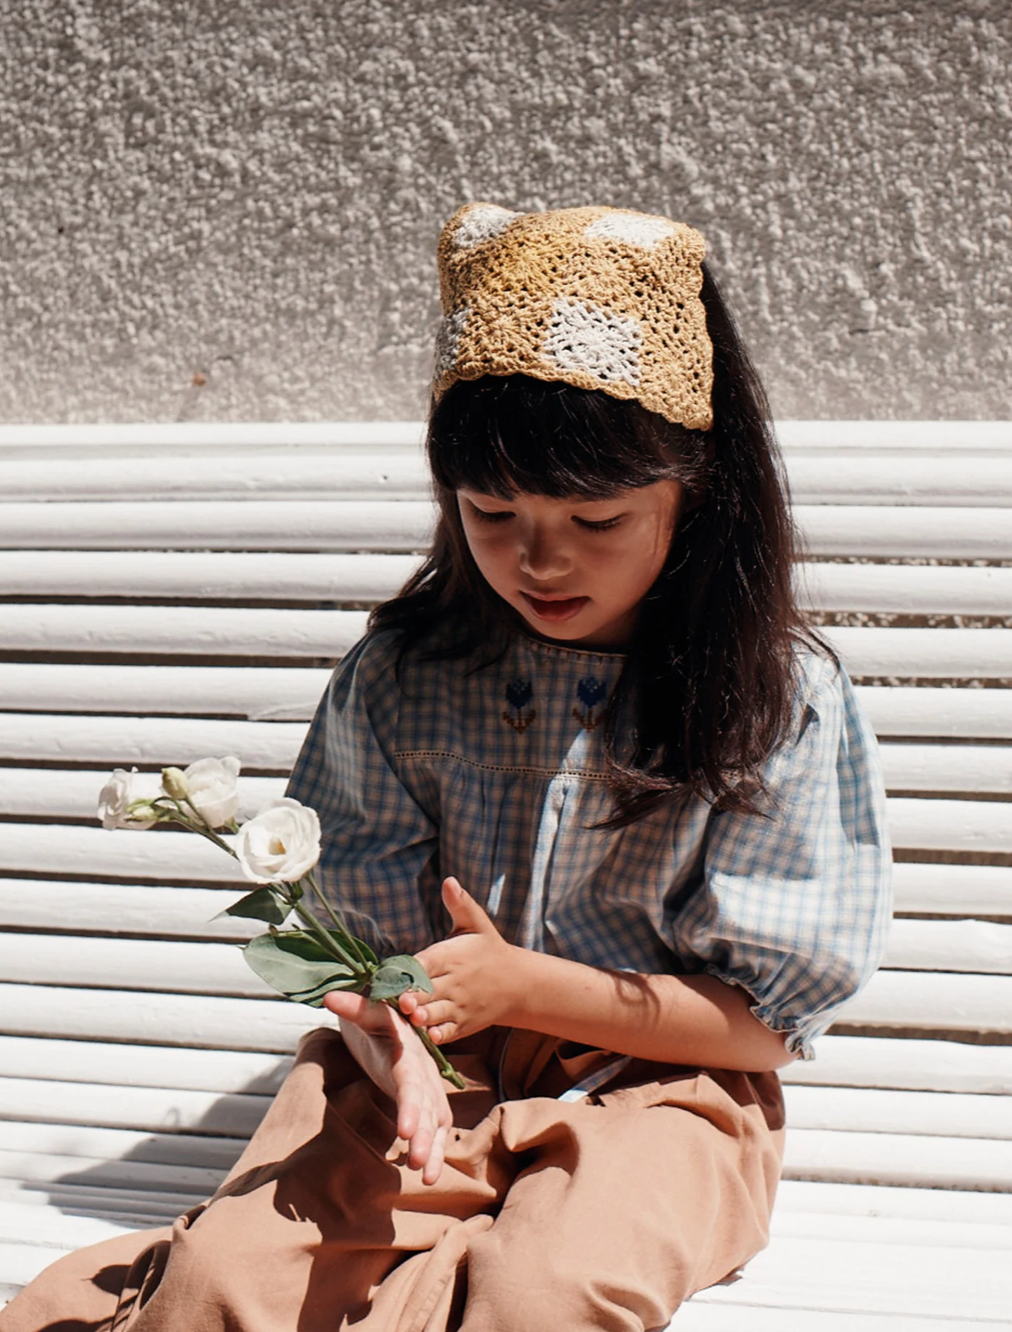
593	770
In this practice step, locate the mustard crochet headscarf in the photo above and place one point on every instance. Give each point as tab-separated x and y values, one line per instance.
601	298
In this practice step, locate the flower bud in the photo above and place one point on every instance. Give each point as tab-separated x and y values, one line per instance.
174	783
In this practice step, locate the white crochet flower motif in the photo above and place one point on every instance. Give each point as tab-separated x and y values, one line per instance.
631	228
451	330
481	223
588	338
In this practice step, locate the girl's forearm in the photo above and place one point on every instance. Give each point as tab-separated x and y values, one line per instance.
695	1020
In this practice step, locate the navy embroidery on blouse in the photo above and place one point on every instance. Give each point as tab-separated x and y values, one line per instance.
518	695
590	693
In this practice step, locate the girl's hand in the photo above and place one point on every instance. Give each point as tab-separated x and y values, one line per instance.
470	972
397	1062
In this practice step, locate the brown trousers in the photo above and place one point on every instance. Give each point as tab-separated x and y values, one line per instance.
605	1212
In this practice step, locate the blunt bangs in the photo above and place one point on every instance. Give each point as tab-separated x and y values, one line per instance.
513	434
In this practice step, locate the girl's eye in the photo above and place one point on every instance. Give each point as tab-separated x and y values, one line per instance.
600	526
491	515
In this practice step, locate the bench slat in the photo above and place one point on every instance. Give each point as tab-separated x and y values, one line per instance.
904	1065
166	911
866	1110
291	694
255	693
149	1108
149	741
217	1071
861	531
172	1110
870	532
965	826
180	630
909	589
195	1021
316	525
902	1159
910	1000
951	1001
195	576
950	945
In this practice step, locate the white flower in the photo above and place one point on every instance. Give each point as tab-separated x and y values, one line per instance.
281	844
114	802
213	790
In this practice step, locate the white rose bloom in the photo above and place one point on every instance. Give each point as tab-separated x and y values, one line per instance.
212	787
281	844
115	798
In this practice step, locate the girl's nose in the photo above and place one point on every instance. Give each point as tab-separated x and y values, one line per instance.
543	555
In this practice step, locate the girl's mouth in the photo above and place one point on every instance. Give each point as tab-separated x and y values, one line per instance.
557	610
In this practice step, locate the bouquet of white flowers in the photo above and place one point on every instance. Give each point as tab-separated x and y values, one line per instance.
276	849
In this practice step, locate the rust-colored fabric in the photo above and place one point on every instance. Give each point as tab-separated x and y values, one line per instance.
602	1213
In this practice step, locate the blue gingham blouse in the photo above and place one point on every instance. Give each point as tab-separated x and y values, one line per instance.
496	775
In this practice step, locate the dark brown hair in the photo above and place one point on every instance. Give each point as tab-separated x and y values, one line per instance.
706	691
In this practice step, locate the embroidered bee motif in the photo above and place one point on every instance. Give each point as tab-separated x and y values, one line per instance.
518	715
590	693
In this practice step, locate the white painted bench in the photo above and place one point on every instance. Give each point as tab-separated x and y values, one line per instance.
175	591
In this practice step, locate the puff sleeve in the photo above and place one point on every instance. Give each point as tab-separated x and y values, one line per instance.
794	904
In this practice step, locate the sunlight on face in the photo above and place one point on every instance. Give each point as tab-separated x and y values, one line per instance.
576	569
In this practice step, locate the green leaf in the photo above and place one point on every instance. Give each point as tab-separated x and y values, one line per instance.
295	964
397	974
261	904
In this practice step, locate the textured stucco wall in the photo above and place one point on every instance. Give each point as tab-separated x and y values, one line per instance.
227	208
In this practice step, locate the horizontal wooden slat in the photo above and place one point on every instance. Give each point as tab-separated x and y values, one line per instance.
317	525
833	435
800	1198
222	575
195	576
61	794
239	632
150	742
905	1159
922	711
129	964
953	890
180	630
979	826
255	693
893	999
879	532
905	1064
909	589
950	945
40	1168
972	768
217	1071
292	475
885	477
291	694
925	653
72	793
199	1022
235	438
851	1285
120	908
406	525
83	852
151	1109
913	1000
94	853
864	1110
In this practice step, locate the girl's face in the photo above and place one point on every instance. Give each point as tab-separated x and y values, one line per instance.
575	569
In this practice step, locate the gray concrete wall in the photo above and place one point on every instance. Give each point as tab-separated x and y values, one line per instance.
227	209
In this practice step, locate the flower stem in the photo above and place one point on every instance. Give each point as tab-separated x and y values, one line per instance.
446	1069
